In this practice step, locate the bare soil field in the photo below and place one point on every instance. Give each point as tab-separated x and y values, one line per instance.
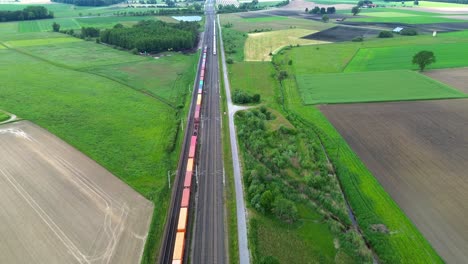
59	206
418	151
342	33
457	78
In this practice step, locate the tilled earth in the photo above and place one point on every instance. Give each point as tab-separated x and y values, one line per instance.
418	151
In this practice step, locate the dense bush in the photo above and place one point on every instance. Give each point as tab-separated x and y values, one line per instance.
28	13
89	32
385	34
153	36
409	32
241	97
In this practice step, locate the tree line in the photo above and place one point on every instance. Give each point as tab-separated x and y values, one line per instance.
153	36
89	2
28	13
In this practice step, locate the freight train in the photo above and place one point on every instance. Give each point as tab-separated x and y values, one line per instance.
179	247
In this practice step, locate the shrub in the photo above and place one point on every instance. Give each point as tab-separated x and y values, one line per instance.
409	32
241	97
229	61
358	39
385	34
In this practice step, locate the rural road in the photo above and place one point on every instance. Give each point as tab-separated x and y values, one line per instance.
209	234
244	254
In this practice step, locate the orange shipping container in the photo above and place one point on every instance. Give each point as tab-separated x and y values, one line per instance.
179	246
176	262
182	220
199	97
190	164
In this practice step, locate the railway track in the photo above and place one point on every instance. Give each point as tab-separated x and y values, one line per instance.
202	127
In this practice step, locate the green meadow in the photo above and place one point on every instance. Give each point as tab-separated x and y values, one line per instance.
448	55
377	86
120	109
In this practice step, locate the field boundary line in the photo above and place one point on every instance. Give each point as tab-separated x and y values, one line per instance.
350	60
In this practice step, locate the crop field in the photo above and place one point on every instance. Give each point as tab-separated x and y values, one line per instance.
259	45
417	151
59	206
448	55
246	22
457	78
371	87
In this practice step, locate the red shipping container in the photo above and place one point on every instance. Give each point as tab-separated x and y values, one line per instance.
193	145
185	198
188	179
197	113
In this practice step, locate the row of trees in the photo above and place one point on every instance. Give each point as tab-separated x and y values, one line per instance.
162	12
323	10
28	13
89	2
153	36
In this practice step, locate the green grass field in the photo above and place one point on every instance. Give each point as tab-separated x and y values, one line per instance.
76	53
294	243
46	24
254	78
166	78
449	55
375	86
94	114
3	116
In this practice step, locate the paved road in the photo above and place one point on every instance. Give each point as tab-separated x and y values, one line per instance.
209	239
244	254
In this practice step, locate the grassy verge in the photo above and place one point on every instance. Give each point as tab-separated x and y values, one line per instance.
230	193
3	117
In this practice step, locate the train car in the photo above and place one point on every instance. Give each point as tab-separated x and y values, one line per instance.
185	198
193	146
189	164
199	99
179	248
200	91
182	224
197	113
202	74
201	83
188	179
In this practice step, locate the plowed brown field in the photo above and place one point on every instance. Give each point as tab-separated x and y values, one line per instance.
59	206
419	153
457	78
